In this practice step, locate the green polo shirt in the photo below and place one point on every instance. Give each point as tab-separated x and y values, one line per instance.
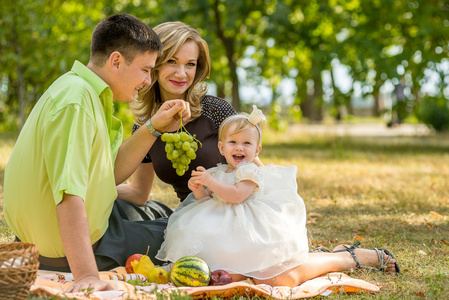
68	145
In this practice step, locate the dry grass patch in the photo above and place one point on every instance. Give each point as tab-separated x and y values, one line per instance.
387	192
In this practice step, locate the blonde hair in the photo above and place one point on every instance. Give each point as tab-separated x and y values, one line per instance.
173	35
240	123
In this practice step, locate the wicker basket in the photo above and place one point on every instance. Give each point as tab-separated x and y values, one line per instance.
19	262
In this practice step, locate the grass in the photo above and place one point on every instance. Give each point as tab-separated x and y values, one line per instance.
387	192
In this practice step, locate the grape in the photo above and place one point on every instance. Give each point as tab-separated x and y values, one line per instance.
178	144
180	148
175	154
136	281
169	147
184	159
184	136
170	155
139	281
185	146
191	154
167	137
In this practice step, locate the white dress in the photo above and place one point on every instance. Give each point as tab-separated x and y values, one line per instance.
260	237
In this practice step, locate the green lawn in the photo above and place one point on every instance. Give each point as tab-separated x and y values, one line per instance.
387	192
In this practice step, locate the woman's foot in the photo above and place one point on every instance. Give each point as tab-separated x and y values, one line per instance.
371	258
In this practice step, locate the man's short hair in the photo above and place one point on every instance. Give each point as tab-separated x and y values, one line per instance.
123	33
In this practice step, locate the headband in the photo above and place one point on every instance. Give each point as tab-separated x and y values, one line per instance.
254	118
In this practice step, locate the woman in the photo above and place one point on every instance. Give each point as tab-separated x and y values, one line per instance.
179	73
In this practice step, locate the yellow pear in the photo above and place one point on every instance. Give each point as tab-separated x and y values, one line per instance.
143	266
158	275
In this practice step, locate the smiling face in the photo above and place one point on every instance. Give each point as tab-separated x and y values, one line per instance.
130	78
177	74
238	147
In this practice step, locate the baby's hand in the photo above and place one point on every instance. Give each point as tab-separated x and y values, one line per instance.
201	176
193	186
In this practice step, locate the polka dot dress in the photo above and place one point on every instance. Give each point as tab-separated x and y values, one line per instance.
214	111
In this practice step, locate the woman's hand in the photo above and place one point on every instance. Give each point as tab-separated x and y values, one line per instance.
169	114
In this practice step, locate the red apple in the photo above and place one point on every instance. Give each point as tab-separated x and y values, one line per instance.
128	266
220	277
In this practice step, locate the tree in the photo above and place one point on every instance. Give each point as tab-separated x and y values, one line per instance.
233	23
309	29
40	41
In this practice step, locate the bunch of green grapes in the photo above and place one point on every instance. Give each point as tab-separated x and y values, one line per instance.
180	147
138	282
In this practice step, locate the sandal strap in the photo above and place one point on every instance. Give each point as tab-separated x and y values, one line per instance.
380	255
382	262
350	249
380	258
321	249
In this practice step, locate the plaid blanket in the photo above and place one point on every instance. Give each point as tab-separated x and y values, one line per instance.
53	284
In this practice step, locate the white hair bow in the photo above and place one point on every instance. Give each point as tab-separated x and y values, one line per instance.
256	116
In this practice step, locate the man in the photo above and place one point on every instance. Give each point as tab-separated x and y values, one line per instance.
60	181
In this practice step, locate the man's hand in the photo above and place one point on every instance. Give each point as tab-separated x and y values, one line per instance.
90	283
169	113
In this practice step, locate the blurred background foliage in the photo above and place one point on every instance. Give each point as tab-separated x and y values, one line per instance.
292	50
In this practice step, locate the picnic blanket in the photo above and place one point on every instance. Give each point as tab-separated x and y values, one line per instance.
50	283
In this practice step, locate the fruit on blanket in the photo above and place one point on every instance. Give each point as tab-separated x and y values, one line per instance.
143	266
138	282
134	257
158	275
190	271
220	277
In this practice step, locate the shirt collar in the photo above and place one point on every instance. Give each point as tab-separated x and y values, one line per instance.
104	92
93	79
101	88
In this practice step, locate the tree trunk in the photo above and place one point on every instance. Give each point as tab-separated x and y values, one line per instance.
220	90
318	97
336	96
21	94
229	44
312	102
307	107
376	94
20	81
303	98
235	80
